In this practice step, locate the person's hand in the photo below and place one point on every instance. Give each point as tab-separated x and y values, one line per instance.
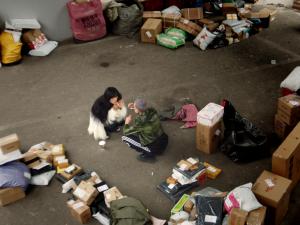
120	104
128	119
131	105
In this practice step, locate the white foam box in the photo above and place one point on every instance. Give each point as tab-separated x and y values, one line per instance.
210	114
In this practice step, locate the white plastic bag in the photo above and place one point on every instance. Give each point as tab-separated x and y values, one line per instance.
241	197
42	179
203	39
292	81
172	10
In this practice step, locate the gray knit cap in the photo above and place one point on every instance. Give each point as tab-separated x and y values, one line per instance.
140	104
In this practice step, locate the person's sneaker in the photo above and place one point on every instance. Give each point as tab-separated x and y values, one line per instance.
146	158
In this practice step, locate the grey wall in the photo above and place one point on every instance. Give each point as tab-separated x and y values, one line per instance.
52	15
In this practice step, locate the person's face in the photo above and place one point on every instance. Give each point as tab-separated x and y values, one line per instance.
114	100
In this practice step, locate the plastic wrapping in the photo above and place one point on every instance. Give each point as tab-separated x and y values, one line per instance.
243	141
14	174
175	32
169	41
209	210
129	21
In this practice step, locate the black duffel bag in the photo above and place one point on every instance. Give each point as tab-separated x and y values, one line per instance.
243	141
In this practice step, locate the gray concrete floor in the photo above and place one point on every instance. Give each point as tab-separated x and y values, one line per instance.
49	99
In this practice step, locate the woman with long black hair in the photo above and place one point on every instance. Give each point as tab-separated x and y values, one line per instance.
107	114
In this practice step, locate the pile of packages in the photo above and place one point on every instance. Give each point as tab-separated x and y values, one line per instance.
18	171
172	27
264	202
93	197
186	175
23	36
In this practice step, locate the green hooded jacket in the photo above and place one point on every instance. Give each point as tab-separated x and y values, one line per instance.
146	126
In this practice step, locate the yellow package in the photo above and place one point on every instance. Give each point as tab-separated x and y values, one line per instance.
10	50
211	171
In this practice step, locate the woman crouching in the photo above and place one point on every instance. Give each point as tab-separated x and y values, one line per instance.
107	114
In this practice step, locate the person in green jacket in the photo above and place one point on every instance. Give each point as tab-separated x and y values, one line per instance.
145	134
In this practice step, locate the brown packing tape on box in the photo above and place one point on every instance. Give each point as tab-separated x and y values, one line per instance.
152	14
170	20
9	143
192	13
286	159
11	195
150	29
189	27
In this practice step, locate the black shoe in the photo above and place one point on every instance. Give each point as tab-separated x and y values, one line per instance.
146	158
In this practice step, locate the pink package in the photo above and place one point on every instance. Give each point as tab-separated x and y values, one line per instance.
231	202
87	21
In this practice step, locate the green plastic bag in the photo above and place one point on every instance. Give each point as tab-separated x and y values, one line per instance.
169	41
175	32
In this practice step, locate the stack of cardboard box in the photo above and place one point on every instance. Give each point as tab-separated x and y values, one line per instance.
9	151
209	128
288	115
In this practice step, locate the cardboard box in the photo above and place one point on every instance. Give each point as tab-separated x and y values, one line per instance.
171	180
289	109
150	29
11	195
80	211
63	163
210	114
152	14
192	13
86	192
58	150
208	138
188	206
211	171
286	159
257	217
69	175
111	195
281	128
184	165
94	179
9	143
205	21
237	217
170	20
231	16
58	158
229	8
273	191
189	26
43	151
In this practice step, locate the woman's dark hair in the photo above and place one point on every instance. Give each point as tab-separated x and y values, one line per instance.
112	92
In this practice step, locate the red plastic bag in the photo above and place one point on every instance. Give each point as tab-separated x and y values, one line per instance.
87	21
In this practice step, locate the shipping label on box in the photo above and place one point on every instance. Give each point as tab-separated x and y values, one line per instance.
9	143
86	192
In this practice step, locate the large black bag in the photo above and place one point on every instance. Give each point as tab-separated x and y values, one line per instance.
243	141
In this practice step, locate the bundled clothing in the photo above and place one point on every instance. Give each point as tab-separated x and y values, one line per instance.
146	134
104	118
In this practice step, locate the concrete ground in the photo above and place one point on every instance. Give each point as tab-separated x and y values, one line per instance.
50	98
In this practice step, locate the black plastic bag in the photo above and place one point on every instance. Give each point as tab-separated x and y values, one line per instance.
209	210
243	141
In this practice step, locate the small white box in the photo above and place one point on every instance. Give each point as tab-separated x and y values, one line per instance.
210	114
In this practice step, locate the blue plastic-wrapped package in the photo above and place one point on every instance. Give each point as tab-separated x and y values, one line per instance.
14	174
